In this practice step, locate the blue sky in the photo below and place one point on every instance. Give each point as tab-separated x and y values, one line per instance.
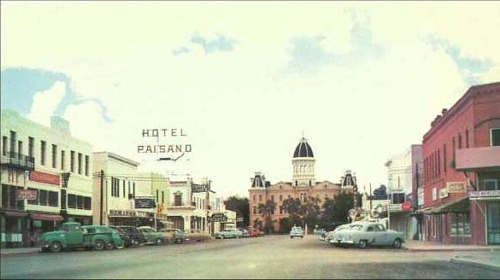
245	80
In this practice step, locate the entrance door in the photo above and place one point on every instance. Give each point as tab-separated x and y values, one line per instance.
493	223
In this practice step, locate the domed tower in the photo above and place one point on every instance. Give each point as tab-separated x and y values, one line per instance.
303	165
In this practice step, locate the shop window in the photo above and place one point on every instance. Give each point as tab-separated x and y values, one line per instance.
54	199
87	203
71	201
460	224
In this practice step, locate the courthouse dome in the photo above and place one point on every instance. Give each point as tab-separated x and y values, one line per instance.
303	149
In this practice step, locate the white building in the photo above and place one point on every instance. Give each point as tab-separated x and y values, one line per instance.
122	196
46	177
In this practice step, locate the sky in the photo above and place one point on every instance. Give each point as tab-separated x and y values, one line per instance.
238	83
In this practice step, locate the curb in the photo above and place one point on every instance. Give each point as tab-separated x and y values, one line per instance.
475	262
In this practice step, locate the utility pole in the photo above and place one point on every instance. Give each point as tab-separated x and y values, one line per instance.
102	196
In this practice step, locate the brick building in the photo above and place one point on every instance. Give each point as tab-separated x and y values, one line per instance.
303	186
460	195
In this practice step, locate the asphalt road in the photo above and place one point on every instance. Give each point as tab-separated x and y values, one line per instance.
262	258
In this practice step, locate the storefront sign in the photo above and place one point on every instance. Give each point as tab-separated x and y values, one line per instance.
122	213
218	217
22	194
484	193
443	193
456	187
42	177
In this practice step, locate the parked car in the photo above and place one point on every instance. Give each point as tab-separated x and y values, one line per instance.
244	232
73	235
296	232
153	236
138	239
253	232
363	234
175	235
328	235
228	233
198	235
127	241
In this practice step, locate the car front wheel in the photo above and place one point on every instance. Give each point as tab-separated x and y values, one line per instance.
362	244
397	244
55	247
99	245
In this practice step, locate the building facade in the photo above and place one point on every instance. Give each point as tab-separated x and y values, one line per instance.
303	186
46	177
460	200
119	197
403	174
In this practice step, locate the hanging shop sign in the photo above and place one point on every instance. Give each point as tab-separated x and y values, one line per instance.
197	188
456	187
218	217
144	202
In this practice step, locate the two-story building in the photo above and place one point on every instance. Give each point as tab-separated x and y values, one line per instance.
46	177
461	157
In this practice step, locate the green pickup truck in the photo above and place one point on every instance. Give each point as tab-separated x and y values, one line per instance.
73	235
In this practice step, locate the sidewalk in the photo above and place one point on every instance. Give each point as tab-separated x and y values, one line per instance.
481	255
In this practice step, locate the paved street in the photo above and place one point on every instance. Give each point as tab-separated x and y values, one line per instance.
266	257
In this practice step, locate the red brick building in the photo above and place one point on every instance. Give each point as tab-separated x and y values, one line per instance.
460	195
302	186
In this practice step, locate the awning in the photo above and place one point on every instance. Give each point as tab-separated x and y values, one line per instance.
15	214
457	206
46	217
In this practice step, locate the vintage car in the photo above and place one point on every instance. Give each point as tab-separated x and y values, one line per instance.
296	232
364	233
73	235
153	237
175	235
228	233
329	234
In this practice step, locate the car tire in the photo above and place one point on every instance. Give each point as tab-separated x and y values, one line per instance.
110	245
222	237
397	244
178	240
55	247
362	244
158	241
99	245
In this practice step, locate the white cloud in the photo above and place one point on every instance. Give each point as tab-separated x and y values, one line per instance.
242	112
45	103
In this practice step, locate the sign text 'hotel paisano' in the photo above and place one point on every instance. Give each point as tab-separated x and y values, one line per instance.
164	141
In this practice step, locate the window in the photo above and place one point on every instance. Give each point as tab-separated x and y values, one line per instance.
62	160
4	145
254	197
13	140
272	198
72	161
31	146
54	156
87	162
459	141
80	166
19	149
490	184
178	199
434	193
444	158
43	151
281	197
466	138
162	197
495	137
260	197
54	199
460	224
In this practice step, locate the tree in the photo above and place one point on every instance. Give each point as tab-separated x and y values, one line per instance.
266	210
240	206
